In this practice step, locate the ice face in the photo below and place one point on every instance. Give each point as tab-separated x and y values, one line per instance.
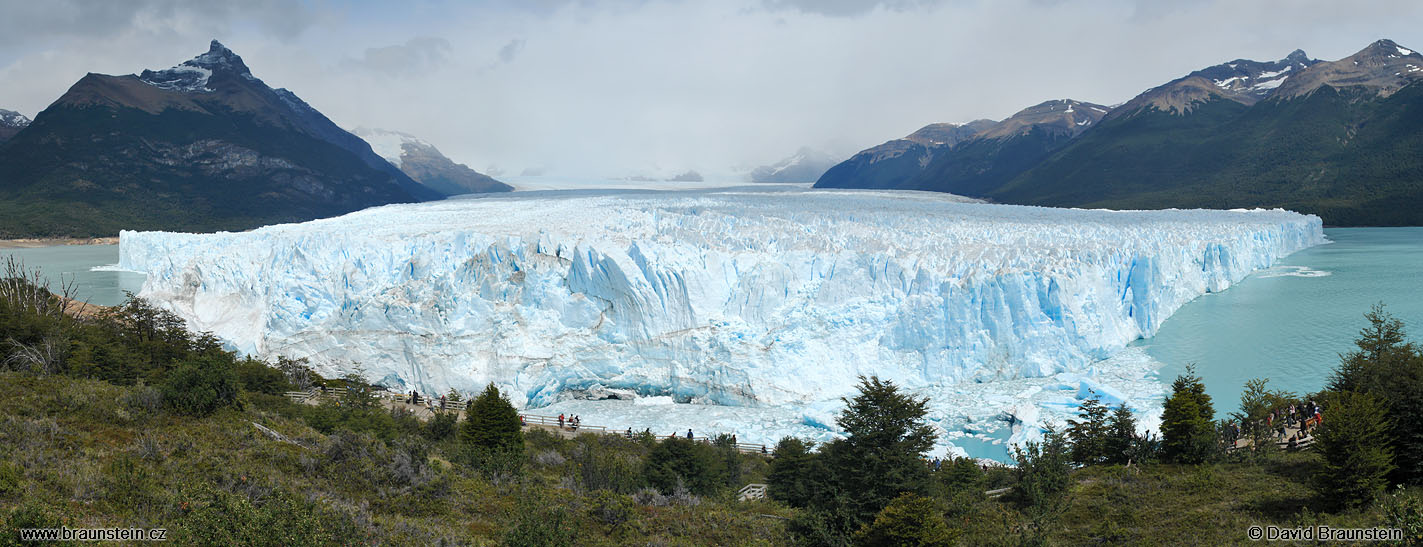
736	297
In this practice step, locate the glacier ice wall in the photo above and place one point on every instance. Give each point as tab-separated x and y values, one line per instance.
725	297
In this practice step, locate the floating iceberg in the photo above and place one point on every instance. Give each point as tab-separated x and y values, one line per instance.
739	298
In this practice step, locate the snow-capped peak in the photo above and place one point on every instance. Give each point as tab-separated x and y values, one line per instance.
10	118
192	75
386	143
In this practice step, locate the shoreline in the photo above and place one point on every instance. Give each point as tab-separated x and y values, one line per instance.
31	243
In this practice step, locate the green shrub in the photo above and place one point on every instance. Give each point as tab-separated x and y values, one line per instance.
538	525
221	518
611	509
1403	510
199	388
258	377
909	520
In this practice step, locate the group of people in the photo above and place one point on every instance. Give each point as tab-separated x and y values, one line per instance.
571	421
442	403
1303	416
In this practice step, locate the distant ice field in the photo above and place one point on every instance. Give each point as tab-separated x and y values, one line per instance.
747	310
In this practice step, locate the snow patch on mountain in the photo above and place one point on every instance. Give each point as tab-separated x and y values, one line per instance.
387	144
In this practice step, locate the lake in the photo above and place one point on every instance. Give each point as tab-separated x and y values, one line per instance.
1291	322
76	262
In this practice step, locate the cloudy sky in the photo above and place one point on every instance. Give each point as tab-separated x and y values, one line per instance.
619	87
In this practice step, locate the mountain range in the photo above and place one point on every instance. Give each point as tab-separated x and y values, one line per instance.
1341	139
201	146
425	164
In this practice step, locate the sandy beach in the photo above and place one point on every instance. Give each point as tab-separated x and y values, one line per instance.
30	243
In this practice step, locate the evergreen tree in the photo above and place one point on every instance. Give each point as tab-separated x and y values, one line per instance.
1355	445
1122	440
790	478
1089	436
1187	421
1391	369
882	454
677	461
492	424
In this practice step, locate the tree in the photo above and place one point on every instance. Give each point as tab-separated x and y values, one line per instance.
1391	369
1187	426
882	455
1044	475
1355	445
1123	444
677	461
492	424
909	520
790	477
1089	436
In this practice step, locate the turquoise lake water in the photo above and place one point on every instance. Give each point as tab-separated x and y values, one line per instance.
105	288
1291	322
1288	323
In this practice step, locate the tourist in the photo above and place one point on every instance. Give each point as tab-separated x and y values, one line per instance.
689	433
560	421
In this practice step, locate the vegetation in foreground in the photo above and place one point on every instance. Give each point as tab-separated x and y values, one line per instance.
125	419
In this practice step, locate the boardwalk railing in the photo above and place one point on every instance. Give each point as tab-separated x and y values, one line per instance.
753	491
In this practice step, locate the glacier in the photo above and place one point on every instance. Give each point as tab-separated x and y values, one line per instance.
739	308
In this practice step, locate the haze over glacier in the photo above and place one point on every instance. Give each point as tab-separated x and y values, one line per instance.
771	302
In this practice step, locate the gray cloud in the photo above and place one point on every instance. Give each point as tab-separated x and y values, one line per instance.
511	50
28	21
614	88
415	56
846	8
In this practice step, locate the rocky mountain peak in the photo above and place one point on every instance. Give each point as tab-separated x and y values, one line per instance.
11	122
10	118
1243	81
1381	68
194	74
1068	116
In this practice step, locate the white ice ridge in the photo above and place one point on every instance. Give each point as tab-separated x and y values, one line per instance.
732	297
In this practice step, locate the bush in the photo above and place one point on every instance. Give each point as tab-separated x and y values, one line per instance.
536	525
908	520
441	426
199	388
1403	510
257	377
221	518
611	509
